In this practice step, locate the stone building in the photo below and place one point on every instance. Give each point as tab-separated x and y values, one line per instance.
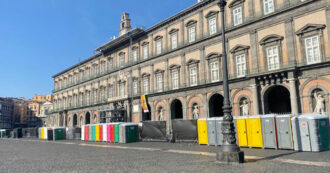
6	113
278	55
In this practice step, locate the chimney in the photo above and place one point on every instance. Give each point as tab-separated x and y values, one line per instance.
125	24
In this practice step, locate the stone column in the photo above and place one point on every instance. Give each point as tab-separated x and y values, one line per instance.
202	56
183	70
151	46
254	50
168	118
139	81
182	32
201	23
293	96
290	40
166	39
255	99
185	108
328	24
166	82
152	76
205	106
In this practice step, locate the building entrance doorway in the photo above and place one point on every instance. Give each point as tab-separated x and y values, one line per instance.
215	106
277	100
176	110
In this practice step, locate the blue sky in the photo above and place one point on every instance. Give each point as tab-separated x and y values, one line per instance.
39	38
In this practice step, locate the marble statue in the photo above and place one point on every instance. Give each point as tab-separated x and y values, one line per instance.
245	108
195	112
319	107
161	115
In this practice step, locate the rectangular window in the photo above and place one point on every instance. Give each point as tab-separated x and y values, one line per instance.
110	91
158	46
135	87
159	82
122	59
240	65
88	73
75	78
193	75
110	64
81	99
145	52
81	75
95	70
273	58
175	79
192	34
312	47
214	66
146	85
213	25
174	40
237	13
87	98
135	55
268	6
102	93
102	67
122	89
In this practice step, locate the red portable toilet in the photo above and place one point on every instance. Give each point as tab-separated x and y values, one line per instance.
108	133
86	133
101	133
112	133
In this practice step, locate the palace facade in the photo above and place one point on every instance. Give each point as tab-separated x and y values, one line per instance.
278	57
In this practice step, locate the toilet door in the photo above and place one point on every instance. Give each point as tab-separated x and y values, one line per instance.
305	135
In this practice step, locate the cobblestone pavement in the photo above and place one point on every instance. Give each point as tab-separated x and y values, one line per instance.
31	155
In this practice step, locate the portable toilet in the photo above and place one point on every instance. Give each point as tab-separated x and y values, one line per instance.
44	132
97	132
212	131
58	133
83	132
116	126
112	132
108	133
93	132
104	132
254	131
219	130
101	132
269	135
86	131
284	131
311	132
242	135
202	131
90	133
128	132
50	135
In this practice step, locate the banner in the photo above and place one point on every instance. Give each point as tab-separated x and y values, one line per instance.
144	104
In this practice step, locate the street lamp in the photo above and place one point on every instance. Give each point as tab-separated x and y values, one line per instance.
229	151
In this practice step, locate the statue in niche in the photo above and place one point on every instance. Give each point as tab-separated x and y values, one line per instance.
195	111
319	106
245	108
161	114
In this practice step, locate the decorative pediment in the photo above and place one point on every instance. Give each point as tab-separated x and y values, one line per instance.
158	37
238	48
159	71
310	28
191	22
174	66
121	53
174	30
271	38
134	47
134	78
144	43
211	13
213	55
110	58
192	61
145	75
235	2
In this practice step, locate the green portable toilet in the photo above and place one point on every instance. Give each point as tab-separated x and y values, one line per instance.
116	132
59	133
93	132
128	133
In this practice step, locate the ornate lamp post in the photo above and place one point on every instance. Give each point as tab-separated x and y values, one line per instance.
229	151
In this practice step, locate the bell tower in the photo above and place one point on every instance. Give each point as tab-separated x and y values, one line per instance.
125	24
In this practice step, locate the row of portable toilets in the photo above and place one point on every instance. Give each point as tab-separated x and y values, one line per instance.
301	133
52	133
111	132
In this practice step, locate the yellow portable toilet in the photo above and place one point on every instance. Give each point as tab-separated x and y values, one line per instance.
42	136
97	132
202	131
241	127
254	131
